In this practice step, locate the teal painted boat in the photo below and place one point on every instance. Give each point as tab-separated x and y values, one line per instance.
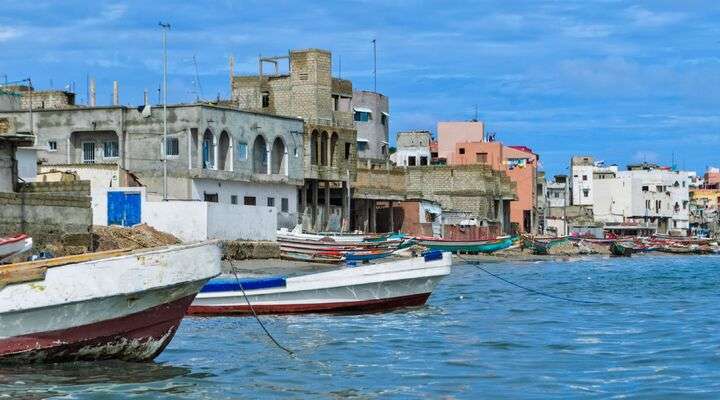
467	246
541	246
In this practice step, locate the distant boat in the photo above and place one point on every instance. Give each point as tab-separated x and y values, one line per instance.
622	249
468	246
372	287
369	255
541	246
13	245
117	304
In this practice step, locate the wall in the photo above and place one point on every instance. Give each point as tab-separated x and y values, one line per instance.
197	220
6	166
47	211
9	101
412	144
374	131
27	163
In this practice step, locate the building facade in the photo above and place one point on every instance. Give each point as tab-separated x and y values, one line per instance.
371	112
450	133
213	154
307	90
412	149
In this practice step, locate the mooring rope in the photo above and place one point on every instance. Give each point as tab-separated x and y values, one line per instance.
290	352
476	264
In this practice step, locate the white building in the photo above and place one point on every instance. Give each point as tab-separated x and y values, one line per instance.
557	193
413	149
644	194
584	169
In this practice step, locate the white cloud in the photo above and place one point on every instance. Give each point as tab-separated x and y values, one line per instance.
8	32
645	18
588	31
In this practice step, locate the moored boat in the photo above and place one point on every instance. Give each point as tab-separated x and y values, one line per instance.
466	246
372	287
622	249
13	245
541	246
117	304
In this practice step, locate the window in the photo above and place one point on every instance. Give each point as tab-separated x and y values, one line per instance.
362	146
242	151
423	160
586	192
266	99
645	189
362	116
172	147
88	152
211	197
295	152
110	149
685	204
233	199
52	145
584	177
647	204
347	151
411	161
481	158
383	119
336	102
271	202
284	204
384	149
683	183
660	188
461	150
249	200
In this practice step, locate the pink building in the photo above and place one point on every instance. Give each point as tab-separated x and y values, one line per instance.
449	133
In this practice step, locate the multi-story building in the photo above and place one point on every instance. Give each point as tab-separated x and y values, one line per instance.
371	113
584	169
212	153
412	149
518	162
307	90
557	192
644	195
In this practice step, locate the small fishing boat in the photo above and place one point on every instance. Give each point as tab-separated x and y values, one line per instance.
327	257
466	246
622	249
364	256
118	304
13	245
371	287
542	246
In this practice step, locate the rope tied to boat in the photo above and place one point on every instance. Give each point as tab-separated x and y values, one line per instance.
476	264
252	309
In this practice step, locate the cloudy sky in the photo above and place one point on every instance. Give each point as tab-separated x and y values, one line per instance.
623	81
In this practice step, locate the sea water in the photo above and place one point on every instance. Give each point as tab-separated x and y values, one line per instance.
652	333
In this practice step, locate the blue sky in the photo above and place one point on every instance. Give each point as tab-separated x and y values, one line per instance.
623	81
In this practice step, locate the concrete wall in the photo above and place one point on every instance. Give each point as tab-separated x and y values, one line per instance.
27	163
374	131
6	166
196	220
9	101
46	211
450	133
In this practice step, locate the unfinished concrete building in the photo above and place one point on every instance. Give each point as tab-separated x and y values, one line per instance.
371	113
307	90
42	99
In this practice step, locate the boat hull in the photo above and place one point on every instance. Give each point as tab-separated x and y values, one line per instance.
467	246
125	307
372	287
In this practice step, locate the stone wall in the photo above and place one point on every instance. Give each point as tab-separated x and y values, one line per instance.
48	212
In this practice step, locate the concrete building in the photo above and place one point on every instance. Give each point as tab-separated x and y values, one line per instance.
450	133
371	112
712	177
558	192
518	162
306	89
584	169
645	195
214	154
412	149
42	99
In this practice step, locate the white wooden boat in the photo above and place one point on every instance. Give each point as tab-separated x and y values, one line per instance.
10	246
109	305
372	287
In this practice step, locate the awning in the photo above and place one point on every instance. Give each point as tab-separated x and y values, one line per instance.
386	114
362	140
362	109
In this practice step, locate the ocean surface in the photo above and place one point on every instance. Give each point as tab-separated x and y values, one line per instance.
653	333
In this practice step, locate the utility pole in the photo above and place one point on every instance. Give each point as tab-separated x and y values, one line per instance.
374	42
165	28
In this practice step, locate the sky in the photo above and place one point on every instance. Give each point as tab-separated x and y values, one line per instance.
619	80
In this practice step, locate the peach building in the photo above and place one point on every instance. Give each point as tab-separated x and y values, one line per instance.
518	162
449	133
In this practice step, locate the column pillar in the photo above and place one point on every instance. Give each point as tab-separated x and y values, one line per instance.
314	191
268	157
392	217
345	214
373	215
326	218
501	215
216	152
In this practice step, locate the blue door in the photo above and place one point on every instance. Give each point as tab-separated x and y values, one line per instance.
123	208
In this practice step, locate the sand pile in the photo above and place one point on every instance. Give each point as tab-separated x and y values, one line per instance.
137	237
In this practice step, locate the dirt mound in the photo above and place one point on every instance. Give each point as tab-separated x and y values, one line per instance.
137	237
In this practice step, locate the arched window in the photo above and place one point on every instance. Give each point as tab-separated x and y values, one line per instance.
278	157
314	139
260	155
224	156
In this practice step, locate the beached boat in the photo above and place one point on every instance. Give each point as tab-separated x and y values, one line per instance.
117	304
541	246
363	256
466	246
622	249
372	287
13	245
